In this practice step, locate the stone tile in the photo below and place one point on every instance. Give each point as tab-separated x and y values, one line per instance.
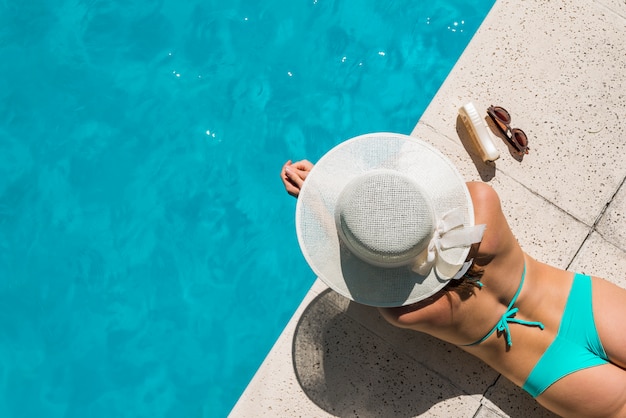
464	371
349	371
508	400
612	225
544	230
461	407
599	257
616	6
485	412
562	85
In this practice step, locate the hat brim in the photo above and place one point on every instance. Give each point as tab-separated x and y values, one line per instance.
317	232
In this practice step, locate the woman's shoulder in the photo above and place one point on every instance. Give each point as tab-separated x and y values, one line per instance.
485	200
498	240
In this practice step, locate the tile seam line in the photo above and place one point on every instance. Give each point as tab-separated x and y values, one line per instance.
545	199
593	227
484	394
610	9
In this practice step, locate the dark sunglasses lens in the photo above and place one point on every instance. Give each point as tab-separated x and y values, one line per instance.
520	138
502	114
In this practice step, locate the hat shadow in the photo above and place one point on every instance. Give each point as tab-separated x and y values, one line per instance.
364	280
350	362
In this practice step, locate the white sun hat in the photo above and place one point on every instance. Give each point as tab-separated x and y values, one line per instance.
386	220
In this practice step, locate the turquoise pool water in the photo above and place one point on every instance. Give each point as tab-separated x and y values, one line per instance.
148	258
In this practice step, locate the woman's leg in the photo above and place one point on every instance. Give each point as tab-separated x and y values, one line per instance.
609	310
598	391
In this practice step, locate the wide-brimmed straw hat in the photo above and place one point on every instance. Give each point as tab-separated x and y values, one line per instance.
386	220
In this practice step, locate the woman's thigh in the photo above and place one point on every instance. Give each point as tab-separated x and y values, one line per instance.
598	391
609	310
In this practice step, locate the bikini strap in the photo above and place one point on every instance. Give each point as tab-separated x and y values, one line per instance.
509	317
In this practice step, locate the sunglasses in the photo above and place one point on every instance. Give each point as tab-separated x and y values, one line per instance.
516	137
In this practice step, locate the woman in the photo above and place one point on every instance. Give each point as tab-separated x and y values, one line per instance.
557	334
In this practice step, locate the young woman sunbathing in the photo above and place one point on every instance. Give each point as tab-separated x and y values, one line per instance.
387	221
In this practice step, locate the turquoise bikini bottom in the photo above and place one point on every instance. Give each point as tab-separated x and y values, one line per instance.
577	345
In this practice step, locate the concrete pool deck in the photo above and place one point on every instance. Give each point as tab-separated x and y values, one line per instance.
559	67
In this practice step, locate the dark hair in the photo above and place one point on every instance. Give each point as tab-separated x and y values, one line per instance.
466	285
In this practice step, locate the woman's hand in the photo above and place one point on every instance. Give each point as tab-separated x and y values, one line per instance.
294	174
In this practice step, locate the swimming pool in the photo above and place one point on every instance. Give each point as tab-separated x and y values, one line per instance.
148	258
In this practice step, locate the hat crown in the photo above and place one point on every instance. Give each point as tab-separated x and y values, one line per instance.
384	218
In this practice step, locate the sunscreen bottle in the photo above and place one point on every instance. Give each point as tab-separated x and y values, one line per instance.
479	133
